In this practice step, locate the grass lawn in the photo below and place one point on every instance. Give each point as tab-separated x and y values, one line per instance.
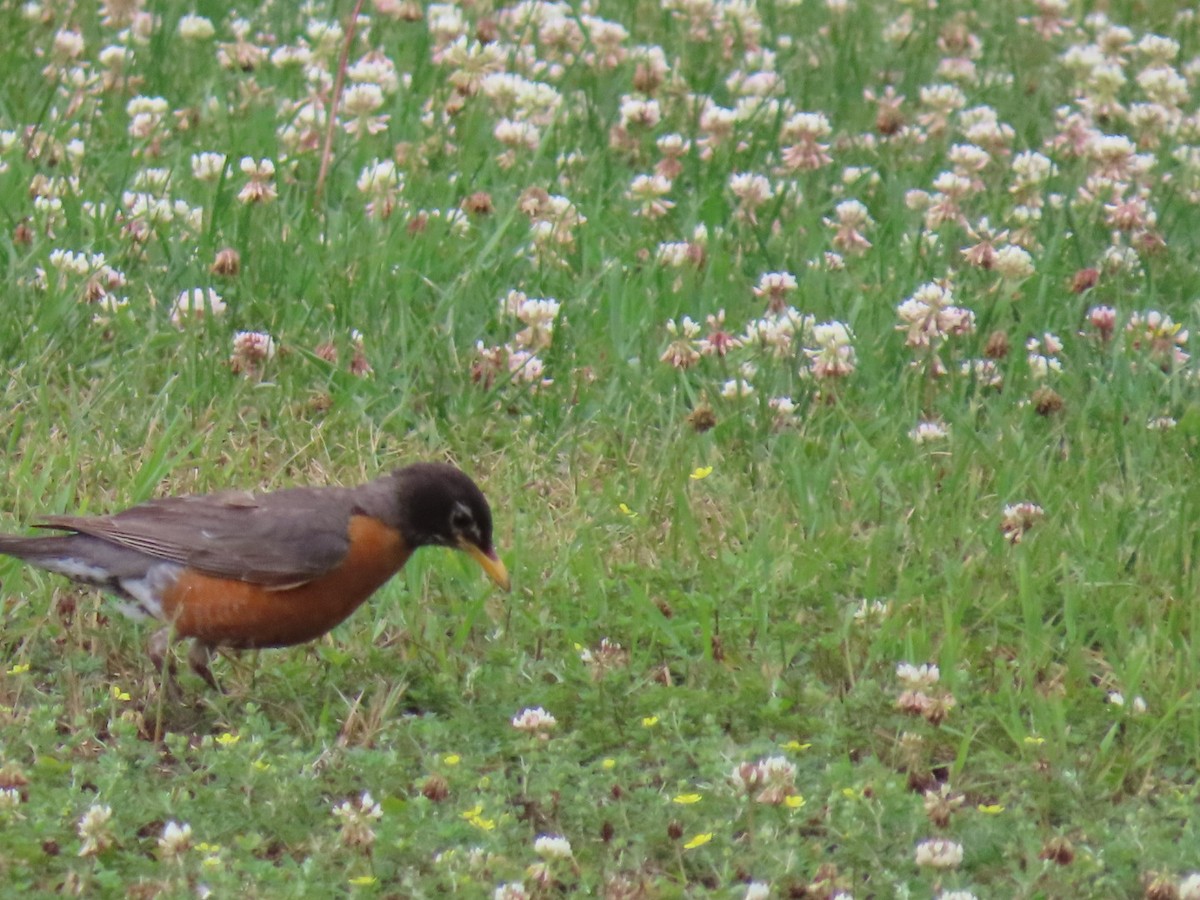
825	362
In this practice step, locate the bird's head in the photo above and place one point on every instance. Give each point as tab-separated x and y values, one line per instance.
440	505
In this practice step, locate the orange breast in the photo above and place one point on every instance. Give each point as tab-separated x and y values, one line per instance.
230	613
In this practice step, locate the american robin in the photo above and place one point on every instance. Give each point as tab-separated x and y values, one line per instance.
244	570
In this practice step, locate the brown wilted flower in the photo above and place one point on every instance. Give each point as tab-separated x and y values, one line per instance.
1162	887
888	117
479	204
12	777
997	345
1046	401
435	788
702	418
940	804
1058	850
228	263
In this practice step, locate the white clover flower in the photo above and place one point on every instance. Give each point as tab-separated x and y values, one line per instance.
552	846
1041	366
262	168
534	720
927	432
175	840
939	853
1013	263
872	610
195	28
195	304
639	112
208	166
93	830
736	387
253	346
1018	518
381	177
930	316
783	406
516	134
918	677
356	819
834	356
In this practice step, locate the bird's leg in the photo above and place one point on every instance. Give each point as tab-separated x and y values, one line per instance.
198	657
158	647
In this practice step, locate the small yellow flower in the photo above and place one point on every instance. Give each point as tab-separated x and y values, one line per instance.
363	880
211	862
649	721
1032	739
700	472
851	793
261	764
206	847
625	510
793	801
483	824
475	816
698	841
608	763
796	746
452	759
118	694
228	739
19	669
685	799
991	809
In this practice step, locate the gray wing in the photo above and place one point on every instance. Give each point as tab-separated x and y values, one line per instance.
278	539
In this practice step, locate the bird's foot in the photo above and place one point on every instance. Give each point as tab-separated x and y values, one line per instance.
198	657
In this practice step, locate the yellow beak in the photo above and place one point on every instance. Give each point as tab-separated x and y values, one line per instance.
490	563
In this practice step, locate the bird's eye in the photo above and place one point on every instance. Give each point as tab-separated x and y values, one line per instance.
461	519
